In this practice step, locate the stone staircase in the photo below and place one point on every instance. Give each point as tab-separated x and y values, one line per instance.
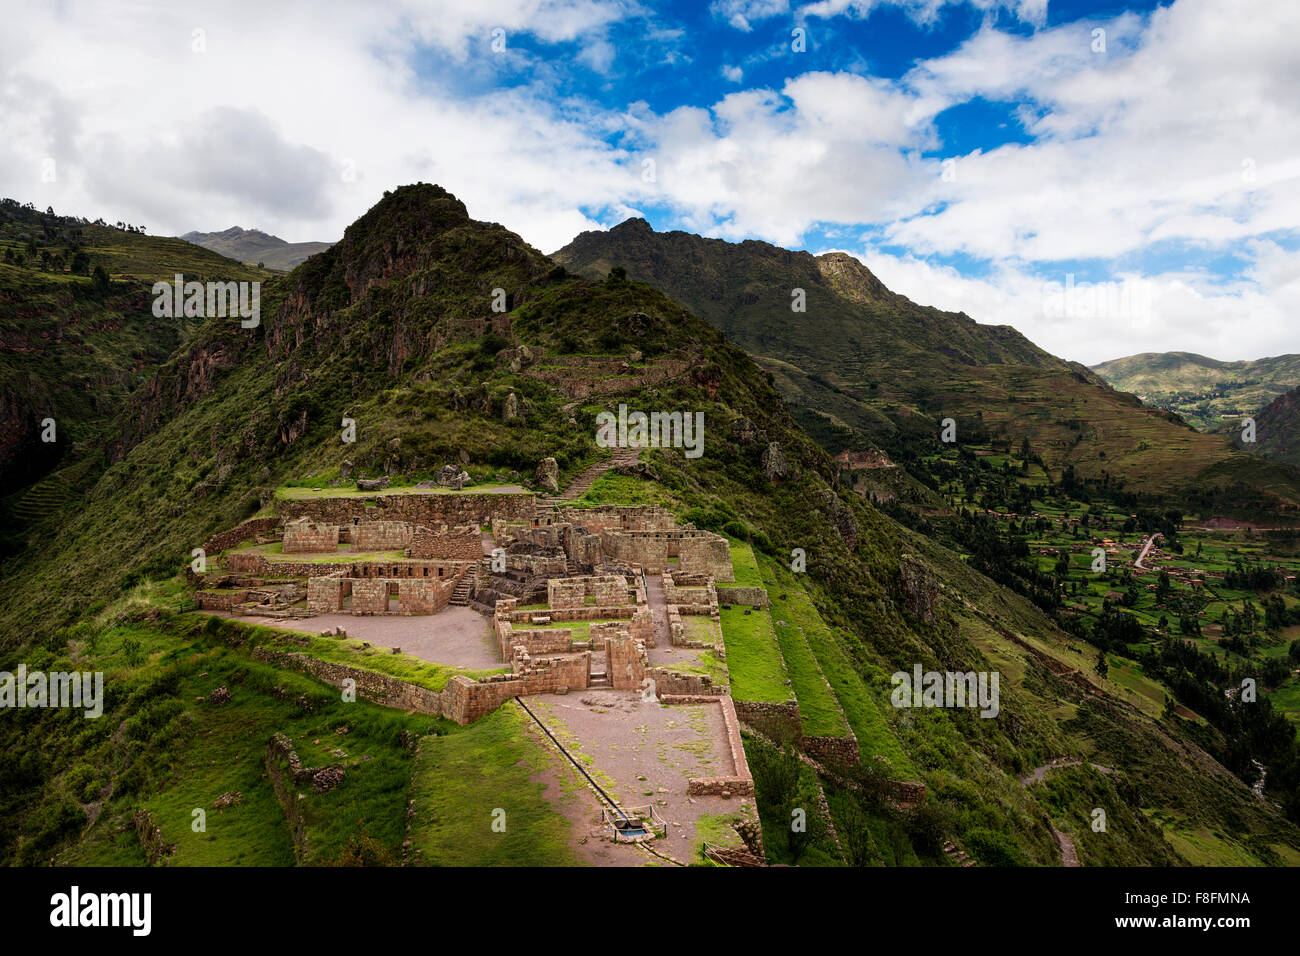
460	596
583	481
956	854
598	679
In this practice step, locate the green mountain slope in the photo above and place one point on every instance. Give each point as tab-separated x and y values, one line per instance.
1277	429
72	349
394	327
874	366
1208	394
254	246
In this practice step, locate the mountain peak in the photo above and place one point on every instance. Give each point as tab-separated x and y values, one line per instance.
634	226
850	277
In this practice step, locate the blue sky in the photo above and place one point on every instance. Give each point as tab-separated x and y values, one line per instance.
976	155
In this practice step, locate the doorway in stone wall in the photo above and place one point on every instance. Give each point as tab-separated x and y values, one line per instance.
394	603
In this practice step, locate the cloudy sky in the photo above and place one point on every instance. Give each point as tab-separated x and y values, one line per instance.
979	156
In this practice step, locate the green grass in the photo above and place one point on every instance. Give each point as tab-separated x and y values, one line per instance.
461	779
403	666
875	738
818	707
743	565
757	671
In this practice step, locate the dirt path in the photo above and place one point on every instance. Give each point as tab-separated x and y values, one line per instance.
1056	764
1064	842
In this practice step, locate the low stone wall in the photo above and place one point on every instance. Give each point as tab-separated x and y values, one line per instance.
621	612
842	750
244	531
150	837
673	684
741	783
748	597
370	685
466	701
553	640
220	601
462	700
781	721
283	769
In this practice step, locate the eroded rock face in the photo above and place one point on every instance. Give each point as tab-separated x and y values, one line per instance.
510	410
345	470
774	464
919	587
548	475
841	517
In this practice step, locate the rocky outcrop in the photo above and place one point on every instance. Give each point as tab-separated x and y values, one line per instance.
841	517
548	475
372	484
775	467
449	476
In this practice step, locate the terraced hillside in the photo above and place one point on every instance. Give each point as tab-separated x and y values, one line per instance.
1208	394
863	365
394	328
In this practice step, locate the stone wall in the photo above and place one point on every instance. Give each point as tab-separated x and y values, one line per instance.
741	782
620	518
283	768
607	589
674	684
244	562
465	701
748	597
382	536
245	531
370	596
781	721
448	542
842	750
325	595
706	554
625	661
220	600
370	685
310	537
452	508
423	595
462	700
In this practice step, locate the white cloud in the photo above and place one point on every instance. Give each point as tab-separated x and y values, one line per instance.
1164	312
1183	135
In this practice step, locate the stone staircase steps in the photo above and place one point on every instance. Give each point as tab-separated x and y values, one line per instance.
460	596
